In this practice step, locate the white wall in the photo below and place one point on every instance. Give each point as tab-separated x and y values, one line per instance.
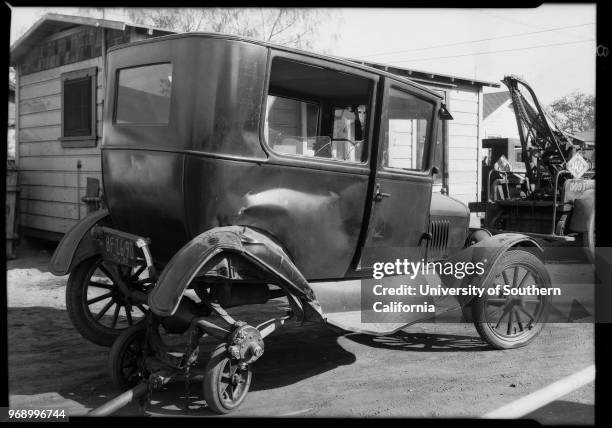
463	143
501	123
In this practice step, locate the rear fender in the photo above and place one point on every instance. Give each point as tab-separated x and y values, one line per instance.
488	251
244	241
77	244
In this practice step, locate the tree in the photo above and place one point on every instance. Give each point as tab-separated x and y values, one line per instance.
292	27
574	112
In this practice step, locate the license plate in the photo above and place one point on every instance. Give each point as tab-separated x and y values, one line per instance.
118	247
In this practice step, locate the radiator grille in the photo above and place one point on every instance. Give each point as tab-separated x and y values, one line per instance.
438	244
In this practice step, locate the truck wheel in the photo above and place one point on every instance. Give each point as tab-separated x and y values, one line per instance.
91	293
225	383
506	322
125	358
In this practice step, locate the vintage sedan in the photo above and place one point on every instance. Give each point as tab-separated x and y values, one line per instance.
236	172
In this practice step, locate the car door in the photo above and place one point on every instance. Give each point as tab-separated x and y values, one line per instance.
403	178
399	214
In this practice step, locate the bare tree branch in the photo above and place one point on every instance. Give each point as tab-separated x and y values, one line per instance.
288	26
279	14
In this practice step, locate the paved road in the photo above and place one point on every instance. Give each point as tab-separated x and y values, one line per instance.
429	370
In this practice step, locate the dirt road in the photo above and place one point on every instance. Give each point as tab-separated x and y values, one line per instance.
429	370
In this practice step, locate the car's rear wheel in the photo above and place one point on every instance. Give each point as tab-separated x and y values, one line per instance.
511	321
97	307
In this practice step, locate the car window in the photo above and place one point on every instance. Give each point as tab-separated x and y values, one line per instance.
143	94
316	112
291	125
408	126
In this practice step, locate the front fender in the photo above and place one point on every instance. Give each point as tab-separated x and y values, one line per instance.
488	251
77	244
254	246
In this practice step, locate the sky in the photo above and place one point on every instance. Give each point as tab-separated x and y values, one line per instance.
552	47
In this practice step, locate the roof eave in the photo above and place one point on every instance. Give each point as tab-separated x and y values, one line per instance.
445	78
15	51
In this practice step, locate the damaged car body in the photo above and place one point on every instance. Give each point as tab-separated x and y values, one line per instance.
237	171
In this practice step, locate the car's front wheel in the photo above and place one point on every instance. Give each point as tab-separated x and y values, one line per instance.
508	320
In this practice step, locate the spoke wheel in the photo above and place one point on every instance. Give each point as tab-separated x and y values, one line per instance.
512	321
98	308
126	358
225	383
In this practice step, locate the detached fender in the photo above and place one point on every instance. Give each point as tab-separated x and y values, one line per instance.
488	252
77	244
254	246
582	214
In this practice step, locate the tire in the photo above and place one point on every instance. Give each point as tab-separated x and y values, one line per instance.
125	357
513	334
80	309
217	398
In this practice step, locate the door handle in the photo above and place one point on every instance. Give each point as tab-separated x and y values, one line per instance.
378	196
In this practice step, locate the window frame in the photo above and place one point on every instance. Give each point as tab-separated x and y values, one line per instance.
81	140
443	164
305	101
334	67
116	95
384	142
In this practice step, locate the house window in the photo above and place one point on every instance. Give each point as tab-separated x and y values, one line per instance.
79	108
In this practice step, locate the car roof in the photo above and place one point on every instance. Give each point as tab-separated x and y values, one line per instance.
330	58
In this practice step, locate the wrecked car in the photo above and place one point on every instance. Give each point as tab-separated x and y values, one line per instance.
236	172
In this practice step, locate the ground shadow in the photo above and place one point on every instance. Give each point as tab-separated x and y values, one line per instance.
564	413
422	342
32	253
49	360
295	354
